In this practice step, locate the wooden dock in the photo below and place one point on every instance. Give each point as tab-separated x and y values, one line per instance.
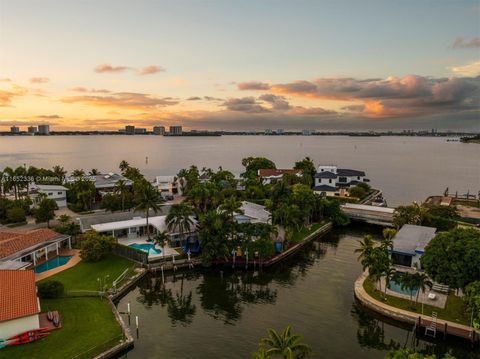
443	330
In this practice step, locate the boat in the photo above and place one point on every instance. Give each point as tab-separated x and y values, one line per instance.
27	337
56	319
50	316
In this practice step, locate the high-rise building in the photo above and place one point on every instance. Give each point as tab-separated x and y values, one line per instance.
44	130
32	130
14	129
268	131
280	131
140	131
130	130
175	130
158	130
307	132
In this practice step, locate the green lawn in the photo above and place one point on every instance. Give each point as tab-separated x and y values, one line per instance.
89	326
454	310
298	236
84	275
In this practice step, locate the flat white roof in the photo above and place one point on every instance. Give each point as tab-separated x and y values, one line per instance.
159	222
365	207
48	187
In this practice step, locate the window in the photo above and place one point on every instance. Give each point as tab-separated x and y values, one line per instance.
342	179
59	192
358	177
330	180
50	193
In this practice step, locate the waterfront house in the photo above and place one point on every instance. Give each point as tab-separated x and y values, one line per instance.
104	183
32	246
167	185
271	175
56	192
131	230
334	181
19	304
253	213
409	245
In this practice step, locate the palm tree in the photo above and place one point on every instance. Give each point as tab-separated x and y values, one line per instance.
366	246
124	165
59	172
408	281
422	283
94	172
147	198
389	274
285	345
161	238
78	173
388	234
231	206
180	219
121	189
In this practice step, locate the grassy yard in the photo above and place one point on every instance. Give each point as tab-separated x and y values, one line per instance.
298	236
454	310
89	326
84	275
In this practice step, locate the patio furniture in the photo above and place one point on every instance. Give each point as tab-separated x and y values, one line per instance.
432	296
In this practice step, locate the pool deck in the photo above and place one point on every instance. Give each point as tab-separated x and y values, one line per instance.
75	253
167	251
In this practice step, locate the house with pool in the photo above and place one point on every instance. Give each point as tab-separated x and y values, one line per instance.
133	233
38	249
409	245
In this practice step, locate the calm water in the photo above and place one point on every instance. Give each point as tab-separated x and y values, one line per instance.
406	168
52	263
199	314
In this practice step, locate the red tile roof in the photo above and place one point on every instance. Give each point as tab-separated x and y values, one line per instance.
269	172
12	242
18	294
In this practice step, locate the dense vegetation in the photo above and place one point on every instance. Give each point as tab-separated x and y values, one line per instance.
441	217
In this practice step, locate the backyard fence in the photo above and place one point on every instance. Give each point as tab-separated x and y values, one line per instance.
131	253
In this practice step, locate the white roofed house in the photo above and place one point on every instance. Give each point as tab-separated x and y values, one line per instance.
271	175
409	245
104	183
333	181
167	185
56	192
253	213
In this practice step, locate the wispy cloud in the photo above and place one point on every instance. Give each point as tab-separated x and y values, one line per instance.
49	117
472	69
253	85
39	80
131	100
244	104
461	43
150	70
84	90
107	68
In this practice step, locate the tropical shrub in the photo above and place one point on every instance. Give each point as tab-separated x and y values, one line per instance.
50	289
94	247
16	215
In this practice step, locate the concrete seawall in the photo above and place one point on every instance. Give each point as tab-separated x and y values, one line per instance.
444	326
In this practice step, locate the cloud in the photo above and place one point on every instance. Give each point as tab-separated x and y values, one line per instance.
107	68
194	98
39	80
411	95
5	79
84	89
472	69
461	43
277	102
253	85
130	100
150	70
244	104
49	117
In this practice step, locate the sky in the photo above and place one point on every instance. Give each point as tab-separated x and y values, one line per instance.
240	65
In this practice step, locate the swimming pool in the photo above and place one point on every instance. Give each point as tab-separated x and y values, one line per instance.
396	286
146	247
52	263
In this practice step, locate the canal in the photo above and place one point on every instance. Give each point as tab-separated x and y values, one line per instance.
206	314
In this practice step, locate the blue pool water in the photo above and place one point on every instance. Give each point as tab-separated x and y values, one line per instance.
52	263
397	287
146	247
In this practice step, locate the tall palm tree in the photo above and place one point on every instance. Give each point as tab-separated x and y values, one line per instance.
78	173
59	172
8	182
180	219
388	274
409	282
388	234
366	246
231	206
124	165
423	282
161	238
147	198
94	172
121	189
286	345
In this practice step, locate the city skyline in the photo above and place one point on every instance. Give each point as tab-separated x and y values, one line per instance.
240	66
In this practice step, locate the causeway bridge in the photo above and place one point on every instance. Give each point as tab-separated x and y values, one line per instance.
382	216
